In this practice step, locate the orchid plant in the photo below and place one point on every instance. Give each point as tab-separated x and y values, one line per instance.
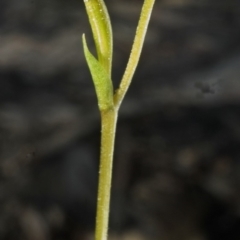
109	100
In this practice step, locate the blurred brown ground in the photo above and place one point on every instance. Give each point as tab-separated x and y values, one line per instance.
177	161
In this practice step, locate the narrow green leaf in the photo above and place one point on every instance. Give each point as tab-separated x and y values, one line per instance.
101	80
102	31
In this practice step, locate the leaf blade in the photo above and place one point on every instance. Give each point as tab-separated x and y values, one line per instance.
102	81
102	31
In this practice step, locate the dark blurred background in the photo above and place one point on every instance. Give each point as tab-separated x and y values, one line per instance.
177	160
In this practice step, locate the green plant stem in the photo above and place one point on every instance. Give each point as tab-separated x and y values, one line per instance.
108	125
135	52
102	31
108	129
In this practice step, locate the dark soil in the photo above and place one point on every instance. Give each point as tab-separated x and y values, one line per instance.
177	159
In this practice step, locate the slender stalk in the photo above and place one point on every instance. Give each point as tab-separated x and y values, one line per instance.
108	104
108	128
135	52
102	31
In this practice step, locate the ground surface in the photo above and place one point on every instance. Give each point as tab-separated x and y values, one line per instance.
177	164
